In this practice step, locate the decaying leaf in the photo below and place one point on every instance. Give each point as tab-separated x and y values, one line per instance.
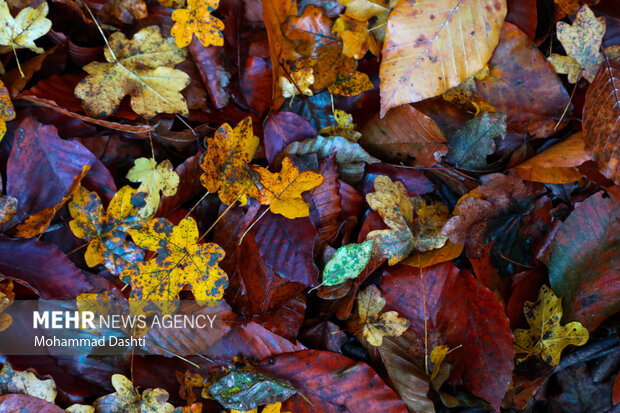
197	19
153	179
376	326
180	261
226	159
21	32
106	232
347	263
6	299
350	157
432	46
26	382
143	68
352	85
282	191
129	400
300	82
582	40
547	337
244	390
7	112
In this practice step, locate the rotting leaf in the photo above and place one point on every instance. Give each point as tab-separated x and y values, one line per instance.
347	262
546	337
153	179
26	382
129	400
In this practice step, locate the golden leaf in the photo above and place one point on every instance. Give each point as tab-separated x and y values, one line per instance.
153	179
352	85
344	128
21	32
547	337
128	399
143	68
197	19
282	191
302	79
226	159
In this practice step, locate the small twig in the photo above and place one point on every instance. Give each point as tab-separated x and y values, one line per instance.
567	104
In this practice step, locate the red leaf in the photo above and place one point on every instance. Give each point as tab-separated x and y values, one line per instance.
326	200
24	403
333	383
460	311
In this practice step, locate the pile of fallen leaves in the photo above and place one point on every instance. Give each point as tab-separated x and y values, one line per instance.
394	205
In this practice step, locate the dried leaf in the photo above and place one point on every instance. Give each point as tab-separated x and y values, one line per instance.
300	82
26	382
127	399
153	179
7	112
143	68
226	162
344	127
369	305
433	46
197	19
353	85
282	191
546	337
356	38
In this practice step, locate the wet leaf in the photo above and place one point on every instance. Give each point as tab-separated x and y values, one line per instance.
300	82
197	19
21	32
143	68
128	399
546	337
26	382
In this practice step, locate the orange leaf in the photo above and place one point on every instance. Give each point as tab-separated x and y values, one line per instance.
197	19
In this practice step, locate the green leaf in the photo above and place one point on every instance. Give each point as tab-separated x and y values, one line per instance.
470	146
347	263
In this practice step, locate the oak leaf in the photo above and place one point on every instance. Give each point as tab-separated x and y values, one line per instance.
129	400
153	179
546	337
347	263
105	232
431	46
180	261
376	326
21	32
226	159
197	19
143	68
282	191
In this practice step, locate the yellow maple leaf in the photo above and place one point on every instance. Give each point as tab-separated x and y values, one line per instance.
7	112
153	179
356	39
105	233
302	79
38	222
565	65
21	32
142	68
406	233
547	337
129	400
197	19
226	159
180	261
282	191
376	326
344	127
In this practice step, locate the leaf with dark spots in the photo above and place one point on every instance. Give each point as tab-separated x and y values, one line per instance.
584	259
332	382
42	267
460	311
42	167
